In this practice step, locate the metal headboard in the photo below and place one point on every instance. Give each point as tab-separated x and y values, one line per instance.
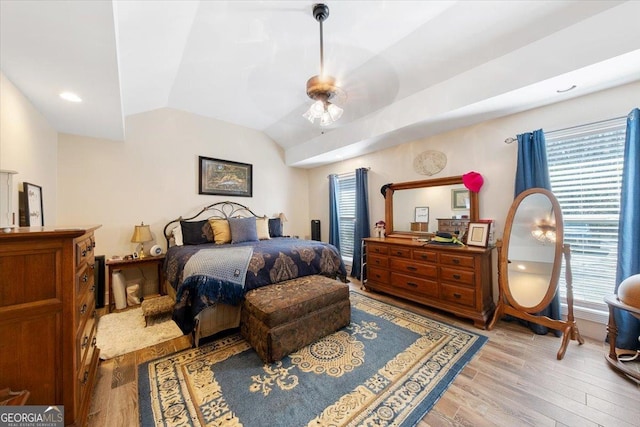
222	210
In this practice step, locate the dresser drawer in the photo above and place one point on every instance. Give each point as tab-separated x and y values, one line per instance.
378	261
457	276
85	305
420	286
426	256
84	250
413	267
86	339
377	249
457	260
458	294
85	278
378	275
399	251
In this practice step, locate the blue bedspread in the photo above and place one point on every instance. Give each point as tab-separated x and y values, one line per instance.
274	260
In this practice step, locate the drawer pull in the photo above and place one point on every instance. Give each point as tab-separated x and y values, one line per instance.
92	289
456	276
92	266
457	296
89	248
85	278
85	341
423	256
83	309
84	253
377	276
410	268
93	342
413	285
398	253
85	377
377	261
94	314
455	261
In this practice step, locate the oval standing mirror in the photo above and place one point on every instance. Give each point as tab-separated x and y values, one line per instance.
529	263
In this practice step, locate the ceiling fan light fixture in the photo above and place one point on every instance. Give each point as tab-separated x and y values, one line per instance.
322	88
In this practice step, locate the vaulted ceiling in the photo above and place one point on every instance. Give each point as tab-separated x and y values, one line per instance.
411	69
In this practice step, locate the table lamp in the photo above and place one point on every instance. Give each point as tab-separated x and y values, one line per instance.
141	234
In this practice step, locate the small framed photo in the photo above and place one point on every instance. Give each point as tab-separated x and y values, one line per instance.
32	200
478	234
134	255
422	214
460	199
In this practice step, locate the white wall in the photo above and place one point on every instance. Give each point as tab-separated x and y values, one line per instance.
479	148
153	176
28	145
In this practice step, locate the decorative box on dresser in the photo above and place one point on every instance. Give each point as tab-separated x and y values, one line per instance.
451	278
48	318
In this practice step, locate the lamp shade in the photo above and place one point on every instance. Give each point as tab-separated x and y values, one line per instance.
141	234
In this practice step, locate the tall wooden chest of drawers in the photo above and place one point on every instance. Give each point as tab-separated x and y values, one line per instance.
451	278
48	319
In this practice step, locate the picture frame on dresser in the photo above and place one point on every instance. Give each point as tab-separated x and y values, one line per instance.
421	214
31	206
478	234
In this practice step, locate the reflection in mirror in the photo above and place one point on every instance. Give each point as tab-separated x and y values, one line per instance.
445	197
437	199
529	264
531	256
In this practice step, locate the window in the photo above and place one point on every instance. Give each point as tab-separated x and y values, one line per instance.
347	213
585	167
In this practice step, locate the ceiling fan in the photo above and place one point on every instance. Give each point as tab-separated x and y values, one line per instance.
322	88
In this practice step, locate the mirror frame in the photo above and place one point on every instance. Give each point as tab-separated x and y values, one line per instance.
552	287
506	303
474	203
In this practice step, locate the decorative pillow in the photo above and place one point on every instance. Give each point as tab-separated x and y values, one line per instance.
262	227
196	232
221	231
177	235
243	229
275	227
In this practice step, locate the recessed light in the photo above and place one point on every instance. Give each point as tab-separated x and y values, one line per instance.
572	87
70	96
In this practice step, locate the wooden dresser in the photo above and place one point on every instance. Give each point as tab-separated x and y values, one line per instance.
451	278
48	317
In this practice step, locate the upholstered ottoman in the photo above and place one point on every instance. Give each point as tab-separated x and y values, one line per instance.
282	318
156	306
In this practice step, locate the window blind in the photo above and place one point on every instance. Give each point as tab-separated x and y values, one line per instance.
585	168
347	213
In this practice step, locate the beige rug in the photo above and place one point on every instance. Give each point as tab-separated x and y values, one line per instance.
124	332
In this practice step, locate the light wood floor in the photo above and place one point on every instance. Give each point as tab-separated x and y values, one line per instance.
515	380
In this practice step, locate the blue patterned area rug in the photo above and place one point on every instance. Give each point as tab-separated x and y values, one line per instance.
388	367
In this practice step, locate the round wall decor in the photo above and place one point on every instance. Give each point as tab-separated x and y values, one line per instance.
429	162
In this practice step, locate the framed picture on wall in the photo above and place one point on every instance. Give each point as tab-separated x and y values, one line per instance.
32	205
459	199
224	177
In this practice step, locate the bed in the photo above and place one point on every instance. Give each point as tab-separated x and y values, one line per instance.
225	250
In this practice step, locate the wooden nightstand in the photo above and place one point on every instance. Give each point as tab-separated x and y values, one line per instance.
121	264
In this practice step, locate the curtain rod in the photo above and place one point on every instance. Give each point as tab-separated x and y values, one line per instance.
339	175
512	139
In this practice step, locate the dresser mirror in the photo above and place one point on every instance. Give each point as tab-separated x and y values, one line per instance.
529	263
402	199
